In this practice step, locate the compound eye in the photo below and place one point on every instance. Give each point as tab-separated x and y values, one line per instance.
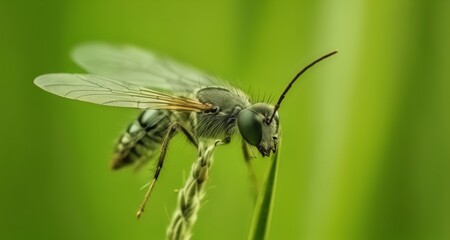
250	126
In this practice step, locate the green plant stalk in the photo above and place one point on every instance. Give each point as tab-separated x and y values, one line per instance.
190	196
263	209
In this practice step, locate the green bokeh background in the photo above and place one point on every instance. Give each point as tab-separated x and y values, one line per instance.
366	134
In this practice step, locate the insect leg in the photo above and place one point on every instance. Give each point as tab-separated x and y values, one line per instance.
169	134
251	171
188	134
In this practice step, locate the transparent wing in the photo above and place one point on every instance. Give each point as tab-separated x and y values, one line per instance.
105	91
139	67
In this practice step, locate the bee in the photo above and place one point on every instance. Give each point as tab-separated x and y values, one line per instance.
173	98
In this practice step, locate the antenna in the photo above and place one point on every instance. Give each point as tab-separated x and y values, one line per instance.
277	106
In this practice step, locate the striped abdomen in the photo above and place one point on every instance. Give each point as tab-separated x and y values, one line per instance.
142	138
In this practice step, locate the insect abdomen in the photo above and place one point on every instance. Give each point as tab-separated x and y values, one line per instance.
142	138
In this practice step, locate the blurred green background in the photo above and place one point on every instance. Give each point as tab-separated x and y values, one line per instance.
366	134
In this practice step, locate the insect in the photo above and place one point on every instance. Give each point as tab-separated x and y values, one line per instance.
174	98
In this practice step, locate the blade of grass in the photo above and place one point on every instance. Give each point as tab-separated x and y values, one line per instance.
263	210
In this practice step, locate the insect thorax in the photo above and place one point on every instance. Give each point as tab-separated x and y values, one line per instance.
220	122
